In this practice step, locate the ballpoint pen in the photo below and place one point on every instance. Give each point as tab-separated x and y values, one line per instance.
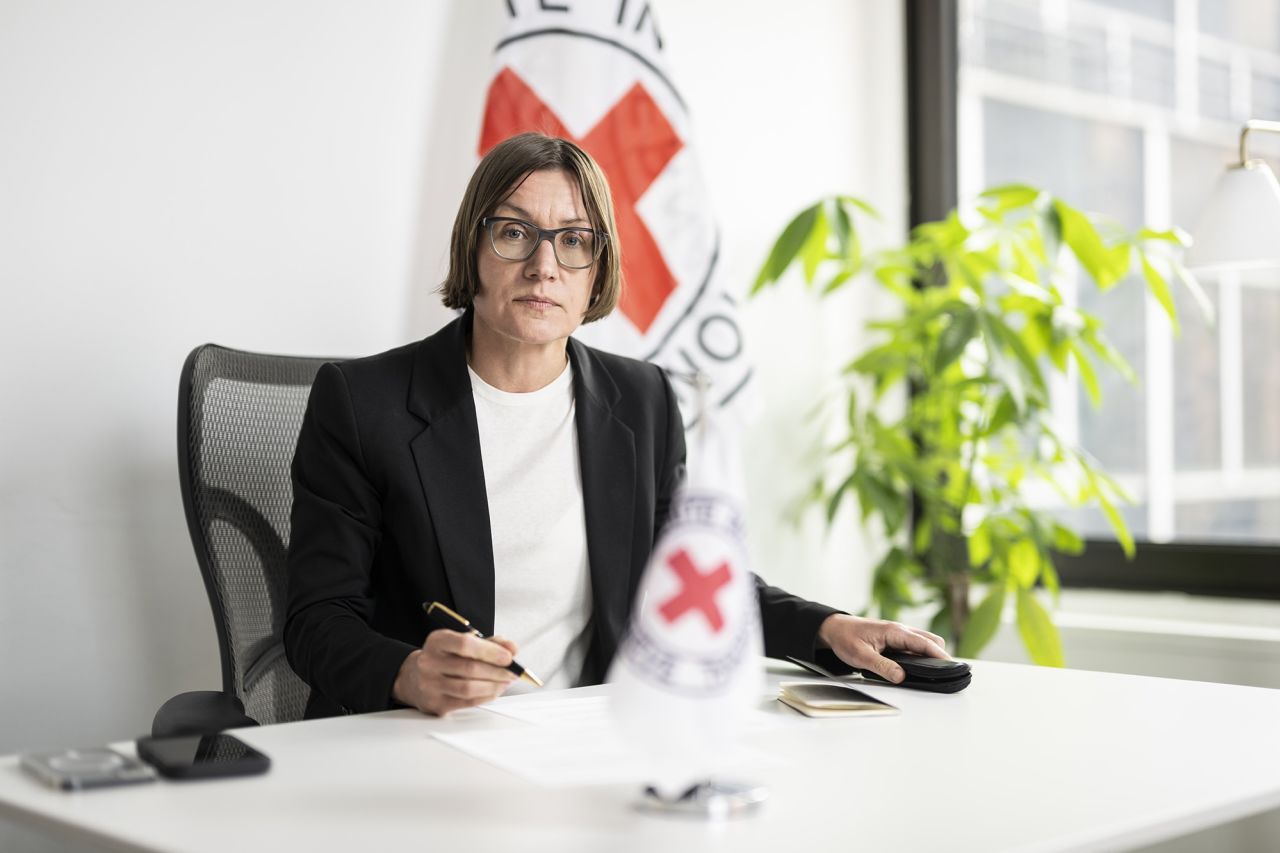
444	617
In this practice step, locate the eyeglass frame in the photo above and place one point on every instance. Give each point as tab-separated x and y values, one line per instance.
547	234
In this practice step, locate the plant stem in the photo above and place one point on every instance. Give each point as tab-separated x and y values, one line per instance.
958	602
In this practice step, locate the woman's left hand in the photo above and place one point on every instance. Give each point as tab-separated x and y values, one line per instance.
858	642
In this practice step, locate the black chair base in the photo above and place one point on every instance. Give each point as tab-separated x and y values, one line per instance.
200	712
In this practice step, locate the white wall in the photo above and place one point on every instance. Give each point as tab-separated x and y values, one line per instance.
282	176
790	107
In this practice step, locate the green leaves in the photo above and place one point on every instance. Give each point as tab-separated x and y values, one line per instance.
1175	236
1105	490
814	249
1107	264
1035	626
891	582
877	494
1038	632
1023	560
1160	290
1012	343
982	324
788	245
1088	376
1067	540
983	622
979	547
955	337
1197	292
1000	200
833	502
820	236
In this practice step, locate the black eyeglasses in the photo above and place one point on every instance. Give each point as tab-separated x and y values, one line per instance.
517	240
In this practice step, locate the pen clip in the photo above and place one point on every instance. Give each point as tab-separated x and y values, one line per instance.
452	614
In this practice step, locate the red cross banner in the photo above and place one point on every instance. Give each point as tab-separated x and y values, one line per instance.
688	671
593	71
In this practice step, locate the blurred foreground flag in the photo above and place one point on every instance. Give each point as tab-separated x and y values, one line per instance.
594	72
689	670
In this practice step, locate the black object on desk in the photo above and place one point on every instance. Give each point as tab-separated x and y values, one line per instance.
935	675
202	756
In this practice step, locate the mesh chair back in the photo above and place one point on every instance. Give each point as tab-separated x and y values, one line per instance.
239	414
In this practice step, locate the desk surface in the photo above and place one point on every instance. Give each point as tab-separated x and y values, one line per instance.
1025	759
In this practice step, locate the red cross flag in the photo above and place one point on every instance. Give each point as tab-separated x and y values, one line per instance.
594	72
689	669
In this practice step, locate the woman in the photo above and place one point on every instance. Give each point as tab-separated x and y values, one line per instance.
503	468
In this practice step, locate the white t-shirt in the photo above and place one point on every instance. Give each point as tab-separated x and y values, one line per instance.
542	588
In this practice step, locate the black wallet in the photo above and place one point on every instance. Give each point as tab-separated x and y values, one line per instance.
924	673
935	675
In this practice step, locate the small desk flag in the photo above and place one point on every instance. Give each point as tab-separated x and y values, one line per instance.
689	669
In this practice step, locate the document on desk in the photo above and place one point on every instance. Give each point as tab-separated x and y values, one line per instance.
541	710
574	741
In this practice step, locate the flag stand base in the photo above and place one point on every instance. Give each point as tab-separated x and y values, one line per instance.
708	799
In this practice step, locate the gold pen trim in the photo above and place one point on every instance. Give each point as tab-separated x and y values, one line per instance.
435	604
524	673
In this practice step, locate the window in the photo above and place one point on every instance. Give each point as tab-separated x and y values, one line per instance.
1132	108
1139	104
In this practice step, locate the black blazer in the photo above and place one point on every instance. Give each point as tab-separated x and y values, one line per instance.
390	510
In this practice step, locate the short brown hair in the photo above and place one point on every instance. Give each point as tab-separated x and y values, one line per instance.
496	178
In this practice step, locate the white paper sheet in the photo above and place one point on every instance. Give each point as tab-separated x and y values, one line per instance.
574	742
542	710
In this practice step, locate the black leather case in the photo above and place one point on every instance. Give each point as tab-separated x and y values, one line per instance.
925	673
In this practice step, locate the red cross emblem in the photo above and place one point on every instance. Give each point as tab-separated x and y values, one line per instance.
633	144
697	591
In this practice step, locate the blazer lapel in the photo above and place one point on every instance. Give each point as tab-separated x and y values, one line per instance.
607	456
447	455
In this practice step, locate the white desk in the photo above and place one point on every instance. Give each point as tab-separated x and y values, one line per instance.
1025	759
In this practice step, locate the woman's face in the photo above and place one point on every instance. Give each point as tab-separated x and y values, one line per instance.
535	301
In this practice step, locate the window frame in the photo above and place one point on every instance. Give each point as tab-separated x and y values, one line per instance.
1221	569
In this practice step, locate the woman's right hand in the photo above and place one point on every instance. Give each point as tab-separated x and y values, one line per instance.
453	670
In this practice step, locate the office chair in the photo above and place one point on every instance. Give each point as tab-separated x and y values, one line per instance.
239	414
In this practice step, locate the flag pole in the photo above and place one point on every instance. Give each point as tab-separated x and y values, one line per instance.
702	391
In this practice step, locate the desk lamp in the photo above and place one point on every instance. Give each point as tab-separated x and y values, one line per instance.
1240	226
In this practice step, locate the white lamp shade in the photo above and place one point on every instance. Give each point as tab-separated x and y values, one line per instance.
1240	225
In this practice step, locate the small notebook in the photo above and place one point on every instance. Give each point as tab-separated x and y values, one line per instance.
816	699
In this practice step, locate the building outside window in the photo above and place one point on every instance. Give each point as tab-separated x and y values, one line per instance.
1132	109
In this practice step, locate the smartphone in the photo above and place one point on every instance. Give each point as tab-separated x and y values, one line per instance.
202	756
79	769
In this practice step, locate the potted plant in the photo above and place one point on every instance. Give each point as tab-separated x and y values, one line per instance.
981	326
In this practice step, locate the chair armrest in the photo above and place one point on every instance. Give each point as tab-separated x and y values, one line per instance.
200	712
